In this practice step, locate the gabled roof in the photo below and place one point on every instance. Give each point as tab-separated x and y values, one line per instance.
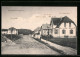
46	26
12	28
65	20
55	20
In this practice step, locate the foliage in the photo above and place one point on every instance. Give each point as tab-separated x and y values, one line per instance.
3	39
24	31
13	38
47	36
69	42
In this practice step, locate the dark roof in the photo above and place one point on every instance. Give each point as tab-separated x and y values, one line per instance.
55	20
12	28
4	29
46	26
65	20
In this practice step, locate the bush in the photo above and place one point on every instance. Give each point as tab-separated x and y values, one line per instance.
24	31
13	38
47	36
3	39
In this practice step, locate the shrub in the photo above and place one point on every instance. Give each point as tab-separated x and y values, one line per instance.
47	36
13	38
3	39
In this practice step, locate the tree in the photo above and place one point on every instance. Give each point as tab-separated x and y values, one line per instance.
11	29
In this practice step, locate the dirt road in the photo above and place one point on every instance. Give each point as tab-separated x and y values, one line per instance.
28	45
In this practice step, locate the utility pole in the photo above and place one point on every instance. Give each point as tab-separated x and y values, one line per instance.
11	31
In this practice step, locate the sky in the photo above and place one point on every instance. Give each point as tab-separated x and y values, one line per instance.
31	17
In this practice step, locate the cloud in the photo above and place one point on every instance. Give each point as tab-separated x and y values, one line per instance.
37	20
34	17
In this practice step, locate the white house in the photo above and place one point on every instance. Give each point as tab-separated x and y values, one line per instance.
63	27
46	29
12	30
4	31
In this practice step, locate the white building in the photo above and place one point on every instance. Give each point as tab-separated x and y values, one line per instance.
12	30
46	29
63	27
4	31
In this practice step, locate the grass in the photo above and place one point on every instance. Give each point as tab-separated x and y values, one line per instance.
69	42
13	38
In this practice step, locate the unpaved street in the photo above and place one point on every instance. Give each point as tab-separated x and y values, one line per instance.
28	45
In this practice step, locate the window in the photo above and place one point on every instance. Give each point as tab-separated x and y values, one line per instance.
63	31
44	31
69	24
50	31
56	31
64	24
71	31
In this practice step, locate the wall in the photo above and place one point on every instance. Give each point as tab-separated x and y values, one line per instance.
53	33
45	32
67	28
4	32
14	32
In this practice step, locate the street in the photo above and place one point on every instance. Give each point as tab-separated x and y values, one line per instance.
28	45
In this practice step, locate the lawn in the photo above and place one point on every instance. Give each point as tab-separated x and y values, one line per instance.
12	37
69	42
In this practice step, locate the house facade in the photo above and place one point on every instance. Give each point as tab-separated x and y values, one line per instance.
63	27
46	29
4	31
12	30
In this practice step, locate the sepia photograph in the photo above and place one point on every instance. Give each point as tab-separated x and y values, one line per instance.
38	30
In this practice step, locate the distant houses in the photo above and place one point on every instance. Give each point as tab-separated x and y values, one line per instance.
59	28
11	30
46	29
62	27
15	31
4	31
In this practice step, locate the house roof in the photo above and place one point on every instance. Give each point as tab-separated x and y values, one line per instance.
46	26
65	20
55	20
12	28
